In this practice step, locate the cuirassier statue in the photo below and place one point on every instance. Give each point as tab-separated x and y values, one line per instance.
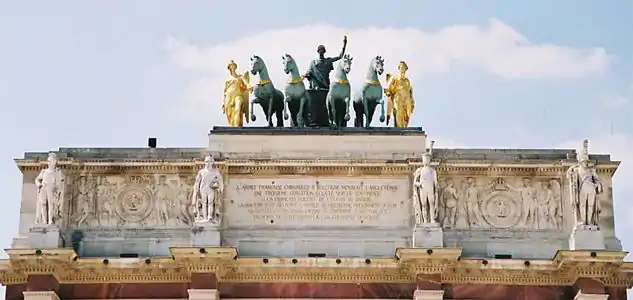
585	185
207	193
50	193
426	191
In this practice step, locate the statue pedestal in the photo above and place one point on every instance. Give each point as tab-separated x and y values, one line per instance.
428	235
586	237
205	234
45	236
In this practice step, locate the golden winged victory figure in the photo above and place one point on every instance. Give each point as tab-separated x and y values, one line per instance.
235	102
399	93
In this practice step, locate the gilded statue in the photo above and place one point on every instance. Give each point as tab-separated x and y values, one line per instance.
235	103
50	193
207	193
399	93
585	185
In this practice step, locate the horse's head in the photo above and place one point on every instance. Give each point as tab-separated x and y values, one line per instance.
346	63
257	64
378	63
289	63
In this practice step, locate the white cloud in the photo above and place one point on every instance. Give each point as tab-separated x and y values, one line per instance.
614	102
496	49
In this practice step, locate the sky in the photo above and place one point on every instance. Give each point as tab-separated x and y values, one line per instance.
487	73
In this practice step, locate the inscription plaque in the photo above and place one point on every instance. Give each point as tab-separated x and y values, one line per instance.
317	202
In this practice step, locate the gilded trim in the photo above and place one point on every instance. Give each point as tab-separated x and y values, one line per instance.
408	266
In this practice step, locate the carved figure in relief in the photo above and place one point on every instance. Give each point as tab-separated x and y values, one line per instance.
585	185
471	196
186	209
207	192
450	197
162	200
399	93
549	205
528	195
105	199
50	185
85	201
425	189
235	105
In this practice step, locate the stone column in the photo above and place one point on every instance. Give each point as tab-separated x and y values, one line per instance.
428	295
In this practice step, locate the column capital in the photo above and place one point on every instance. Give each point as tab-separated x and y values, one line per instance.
581	296
428	295
40	295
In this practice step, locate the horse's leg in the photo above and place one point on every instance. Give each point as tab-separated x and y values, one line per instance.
302	100
279	110
371	107
290	107
269	113
366	111
255	100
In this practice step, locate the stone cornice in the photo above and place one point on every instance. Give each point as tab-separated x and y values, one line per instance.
408	266
346	167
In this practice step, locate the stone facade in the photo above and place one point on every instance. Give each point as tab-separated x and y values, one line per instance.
308	209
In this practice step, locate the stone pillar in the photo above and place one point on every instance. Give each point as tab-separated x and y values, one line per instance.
428	295
204	286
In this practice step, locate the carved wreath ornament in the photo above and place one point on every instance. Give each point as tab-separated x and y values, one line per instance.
133	204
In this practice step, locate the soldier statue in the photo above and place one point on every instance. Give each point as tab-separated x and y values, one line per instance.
425	192
50	193
585	185
318	76
207	193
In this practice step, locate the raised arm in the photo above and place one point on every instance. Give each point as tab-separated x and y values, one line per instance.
335	59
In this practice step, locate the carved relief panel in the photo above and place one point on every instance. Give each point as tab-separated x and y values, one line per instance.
501	203
134	201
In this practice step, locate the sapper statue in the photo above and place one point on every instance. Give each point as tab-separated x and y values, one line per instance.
370	96
269	98
318	76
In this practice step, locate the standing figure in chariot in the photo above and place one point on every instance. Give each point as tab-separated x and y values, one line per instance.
207	193
50	193
235	101
399	93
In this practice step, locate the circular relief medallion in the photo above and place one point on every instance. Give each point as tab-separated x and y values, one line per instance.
133	204
501	210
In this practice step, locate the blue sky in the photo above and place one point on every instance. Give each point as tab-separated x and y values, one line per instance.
487	73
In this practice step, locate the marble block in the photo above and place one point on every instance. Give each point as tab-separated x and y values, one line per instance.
45	236
428	236
586	237
205	234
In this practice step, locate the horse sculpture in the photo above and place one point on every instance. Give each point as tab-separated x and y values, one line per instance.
295	92
338	97
370	96
270	99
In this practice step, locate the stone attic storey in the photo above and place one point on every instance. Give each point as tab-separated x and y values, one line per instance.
352	213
